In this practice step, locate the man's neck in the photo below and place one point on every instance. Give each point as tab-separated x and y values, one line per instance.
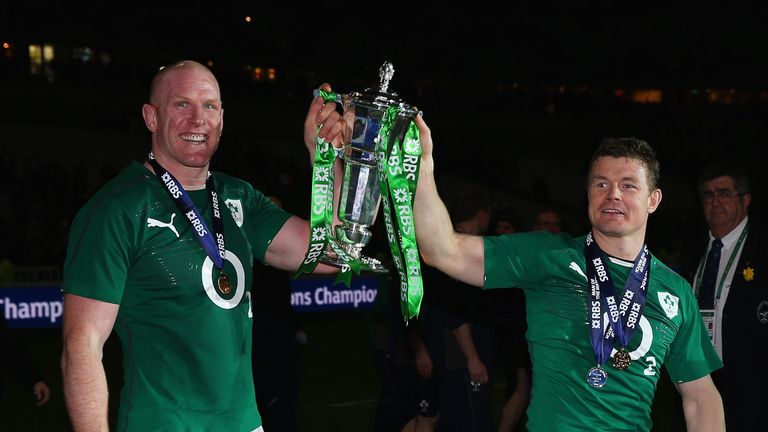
719	232
191	178
624	247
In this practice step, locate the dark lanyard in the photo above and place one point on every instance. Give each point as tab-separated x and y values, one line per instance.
623	317
727	269
215	249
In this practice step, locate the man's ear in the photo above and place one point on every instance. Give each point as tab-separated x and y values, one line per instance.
221	122
654	200
149	112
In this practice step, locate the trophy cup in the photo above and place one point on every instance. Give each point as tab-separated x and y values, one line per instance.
360	196
381	154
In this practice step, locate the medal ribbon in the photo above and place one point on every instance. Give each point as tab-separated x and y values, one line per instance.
215	249
624	317
398	175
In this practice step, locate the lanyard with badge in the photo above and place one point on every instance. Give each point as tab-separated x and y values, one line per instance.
215	249
623	315
709	316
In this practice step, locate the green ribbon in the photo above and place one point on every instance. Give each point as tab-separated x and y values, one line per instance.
398	171
327	96
321	206
321	210
406	180
398	175
353	265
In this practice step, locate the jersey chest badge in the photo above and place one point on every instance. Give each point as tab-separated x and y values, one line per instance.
236	208
668	303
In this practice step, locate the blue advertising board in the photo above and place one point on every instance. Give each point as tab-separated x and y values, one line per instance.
39	306
32	306
314	294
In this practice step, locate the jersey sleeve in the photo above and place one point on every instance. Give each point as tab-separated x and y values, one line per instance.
515	260
691	354
262	221
99	252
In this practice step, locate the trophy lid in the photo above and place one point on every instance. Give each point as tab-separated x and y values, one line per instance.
380	96
386	72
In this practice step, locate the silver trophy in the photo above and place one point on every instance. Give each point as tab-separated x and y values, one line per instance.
360	191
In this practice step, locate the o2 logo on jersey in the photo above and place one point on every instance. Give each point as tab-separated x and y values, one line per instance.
210	286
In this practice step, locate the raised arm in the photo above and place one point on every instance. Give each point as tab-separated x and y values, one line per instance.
289	247
87	325
461	256
702	405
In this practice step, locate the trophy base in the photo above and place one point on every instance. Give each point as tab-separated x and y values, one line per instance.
369	264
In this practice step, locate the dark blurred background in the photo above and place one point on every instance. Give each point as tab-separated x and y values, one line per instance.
517	97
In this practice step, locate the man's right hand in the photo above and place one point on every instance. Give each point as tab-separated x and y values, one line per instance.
423	363
322	114
425	136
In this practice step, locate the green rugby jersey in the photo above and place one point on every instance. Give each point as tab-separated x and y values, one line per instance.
186	346
551	269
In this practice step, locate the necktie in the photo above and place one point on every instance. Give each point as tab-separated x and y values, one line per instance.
709	278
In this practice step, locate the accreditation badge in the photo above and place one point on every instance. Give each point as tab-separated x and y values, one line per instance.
708	316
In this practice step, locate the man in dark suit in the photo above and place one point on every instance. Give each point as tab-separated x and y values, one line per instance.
730	276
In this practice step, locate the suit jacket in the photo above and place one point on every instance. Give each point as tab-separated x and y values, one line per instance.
743	380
